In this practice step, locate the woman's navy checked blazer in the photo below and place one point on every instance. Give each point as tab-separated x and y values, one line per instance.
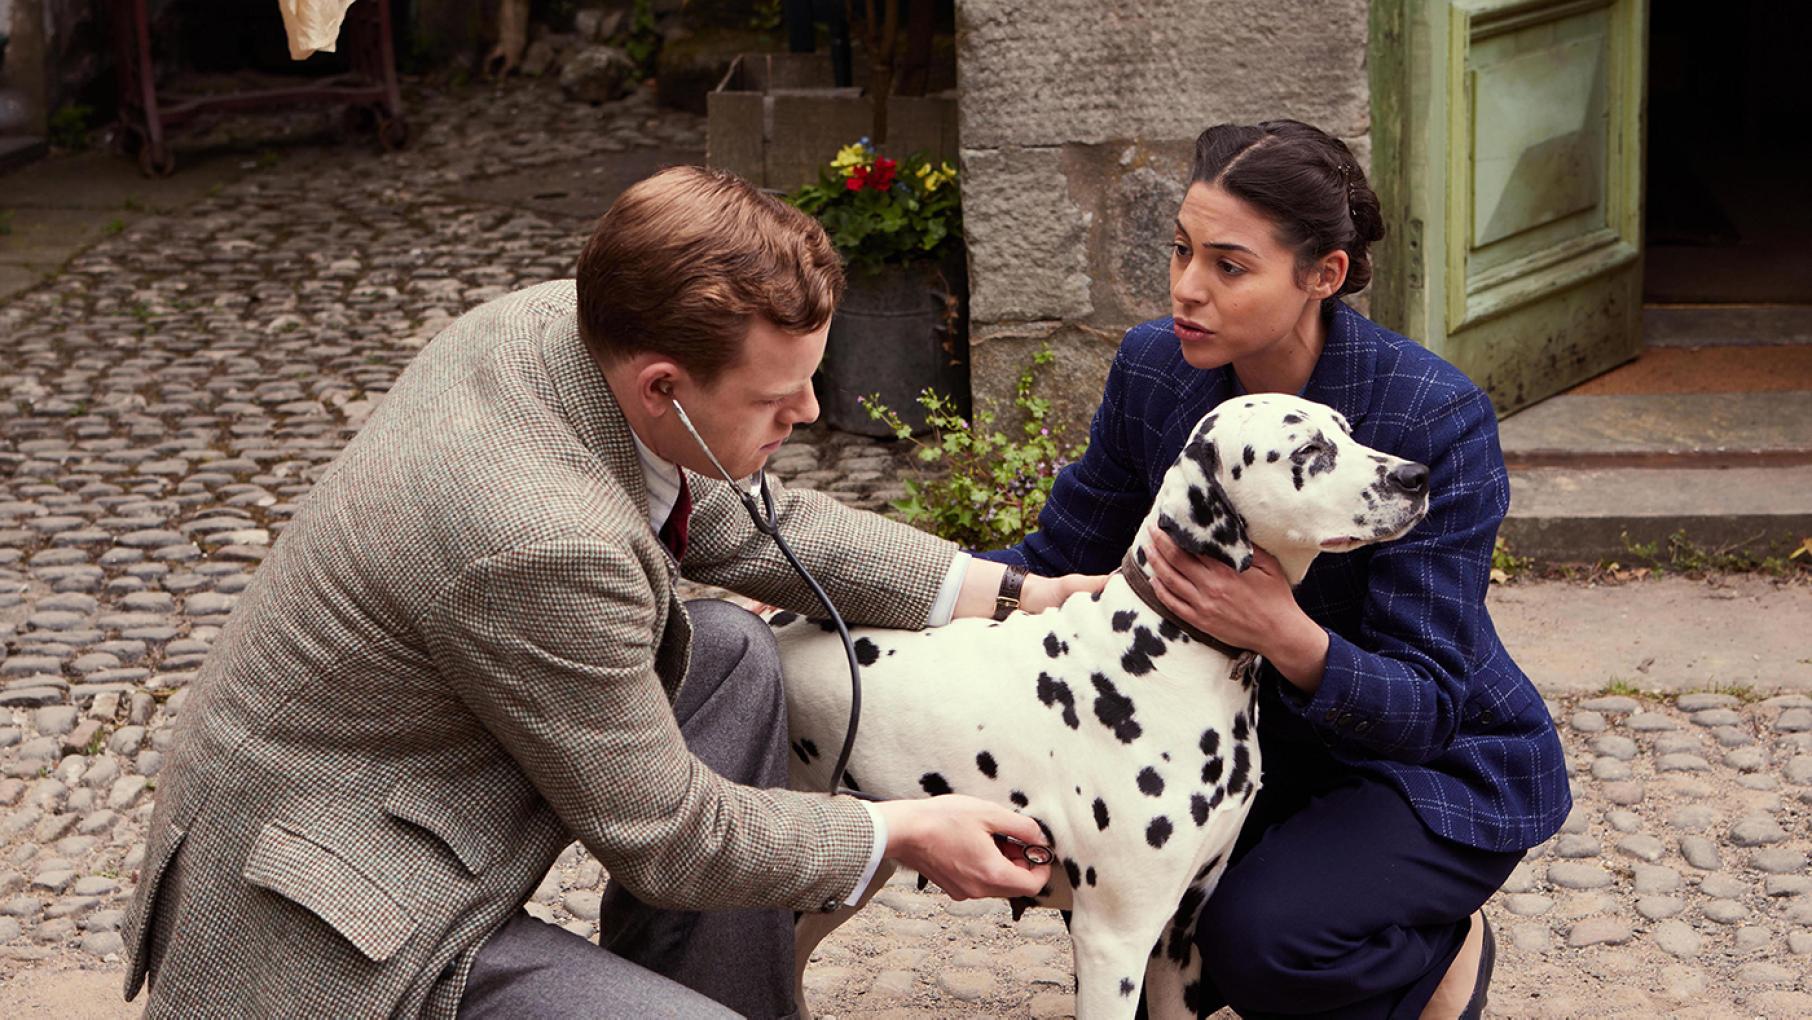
1418	687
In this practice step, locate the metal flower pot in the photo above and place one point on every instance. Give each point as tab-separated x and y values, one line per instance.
896	332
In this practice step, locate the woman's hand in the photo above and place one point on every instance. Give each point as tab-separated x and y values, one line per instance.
1255	609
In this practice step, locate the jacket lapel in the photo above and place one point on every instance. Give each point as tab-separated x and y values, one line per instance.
1343	375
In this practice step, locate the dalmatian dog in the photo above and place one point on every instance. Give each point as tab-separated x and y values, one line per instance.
1127	735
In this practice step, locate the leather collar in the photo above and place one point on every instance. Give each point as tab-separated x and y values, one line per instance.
1137	580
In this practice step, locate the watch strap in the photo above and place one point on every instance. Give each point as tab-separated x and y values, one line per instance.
1007	599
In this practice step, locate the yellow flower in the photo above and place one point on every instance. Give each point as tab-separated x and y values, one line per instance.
849	157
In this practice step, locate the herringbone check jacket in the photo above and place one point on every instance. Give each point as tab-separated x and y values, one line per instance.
1418	687
459	657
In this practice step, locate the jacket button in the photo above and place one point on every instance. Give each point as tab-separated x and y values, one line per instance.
1362	726
1333	713
830	905
1346	719
1485	717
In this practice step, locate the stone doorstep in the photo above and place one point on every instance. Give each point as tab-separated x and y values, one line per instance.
1582	514
18	150
1662	430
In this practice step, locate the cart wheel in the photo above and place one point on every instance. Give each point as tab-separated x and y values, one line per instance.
392	132
156	160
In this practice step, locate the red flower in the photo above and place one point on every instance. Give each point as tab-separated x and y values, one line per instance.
854	181
882	177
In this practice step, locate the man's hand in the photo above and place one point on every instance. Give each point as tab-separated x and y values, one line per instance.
1042	593
950	840
1251	609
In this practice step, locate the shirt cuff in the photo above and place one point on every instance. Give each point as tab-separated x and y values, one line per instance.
874	855
945	605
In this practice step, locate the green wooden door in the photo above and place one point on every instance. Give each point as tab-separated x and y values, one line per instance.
1507	149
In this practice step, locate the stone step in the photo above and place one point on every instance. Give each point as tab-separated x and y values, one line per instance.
1701	430
1589	514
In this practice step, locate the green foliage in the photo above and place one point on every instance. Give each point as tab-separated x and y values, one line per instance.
991	487
1505	565
115	226
766	16
69	126
879	212
1618	685
640	40
1678	554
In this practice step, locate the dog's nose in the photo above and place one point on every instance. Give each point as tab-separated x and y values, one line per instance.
1411	478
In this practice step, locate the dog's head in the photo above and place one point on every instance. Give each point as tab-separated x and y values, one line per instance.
1286	475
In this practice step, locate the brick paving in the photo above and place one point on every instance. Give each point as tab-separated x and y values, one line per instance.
171	395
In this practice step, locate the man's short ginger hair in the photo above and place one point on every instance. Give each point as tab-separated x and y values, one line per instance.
685	260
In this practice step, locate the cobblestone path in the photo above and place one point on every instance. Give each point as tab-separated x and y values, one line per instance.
170	396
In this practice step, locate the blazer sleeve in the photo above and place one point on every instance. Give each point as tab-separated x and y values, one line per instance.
1096	503
1398	691
879	572
553	647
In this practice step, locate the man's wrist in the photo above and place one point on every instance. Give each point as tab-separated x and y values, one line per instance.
1011	595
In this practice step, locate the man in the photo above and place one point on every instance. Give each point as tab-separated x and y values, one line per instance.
466	652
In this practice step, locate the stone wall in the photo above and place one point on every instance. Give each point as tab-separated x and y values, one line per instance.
1078	122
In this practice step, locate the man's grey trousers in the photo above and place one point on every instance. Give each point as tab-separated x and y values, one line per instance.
668	963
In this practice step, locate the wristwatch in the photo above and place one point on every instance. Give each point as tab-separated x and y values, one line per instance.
1008	598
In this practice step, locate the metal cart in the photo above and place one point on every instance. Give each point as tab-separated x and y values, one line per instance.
367	89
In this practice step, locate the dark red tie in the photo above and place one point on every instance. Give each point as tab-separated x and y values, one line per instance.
673	533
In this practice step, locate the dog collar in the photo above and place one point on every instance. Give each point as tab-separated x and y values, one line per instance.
1141	586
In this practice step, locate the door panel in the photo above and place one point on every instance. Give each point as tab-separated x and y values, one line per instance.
1507	150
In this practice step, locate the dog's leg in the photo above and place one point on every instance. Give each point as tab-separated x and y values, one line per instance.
1172	989
812	928
1111	954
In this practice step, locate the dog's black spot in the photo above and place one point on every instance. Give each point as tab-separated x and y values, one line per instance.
1145	646
890	651
1158	832
1054	647
1019	905
1139	556
1247	405
1094	596
1271	457
1164	755
799	750
1018	799
810	749
1073	872
1050	838
849	780
934	784
825	626
1201	451
1378	460
1292	418
1150	783
1242	768
1180	924
1240	729
1202	875
1326	456
1198	808
1100	813
782	618
1249	455
1211	741
1211	770
1078	791
1126	988
1115	710
1296	476
1055	692
1202	510
1214	799
985	762
1089	876
1359	519
1236	472
1193	1000
1123	620
867	652
1169	631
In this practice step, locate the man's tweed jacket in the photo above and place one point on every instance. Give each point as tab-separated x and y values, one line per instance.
460	657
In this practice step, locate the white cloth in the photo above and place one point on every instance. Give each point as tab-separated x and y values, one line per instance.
663	479
312	25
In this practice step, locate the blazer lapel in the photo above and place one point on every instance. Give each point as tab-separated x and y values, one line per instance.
1343	375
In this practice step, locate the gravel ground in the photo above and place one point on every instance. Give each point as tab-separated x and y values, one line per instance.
171	395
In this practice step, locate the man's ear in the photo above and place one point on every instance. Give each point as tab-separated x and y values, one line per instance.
655	379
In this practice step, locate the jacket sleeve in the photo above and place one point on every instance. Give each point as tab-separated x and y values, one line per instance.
1096	503
879	571
553	647
1398	690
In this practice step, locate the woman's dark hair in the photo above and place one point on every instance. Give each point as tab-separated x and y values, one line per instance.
1305	180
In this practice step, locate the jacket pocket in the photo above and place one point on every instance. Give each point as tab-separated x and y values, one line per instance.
327	884
424	807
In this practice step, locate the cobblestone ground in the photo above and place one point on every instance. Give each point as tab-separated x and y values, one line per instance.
172	394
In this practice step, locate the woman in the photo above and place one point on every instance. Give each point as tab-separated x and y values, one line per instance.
1408	763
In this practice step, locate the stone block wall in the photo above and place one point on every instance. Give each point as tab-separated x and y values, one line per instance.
1078	121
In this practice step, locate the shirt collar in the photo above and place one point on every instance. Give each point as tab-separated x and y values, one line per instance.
663	481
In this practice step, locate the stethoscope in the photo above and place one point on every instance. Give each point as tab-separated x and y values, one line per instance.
768	523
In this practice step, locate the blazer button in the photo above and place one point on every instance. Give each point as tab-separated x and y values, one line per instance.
830	905
1362	726
1333	713
1485	717
1346	719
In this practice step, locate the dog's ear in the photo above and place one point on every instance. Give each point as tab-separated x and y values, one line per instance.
1215	528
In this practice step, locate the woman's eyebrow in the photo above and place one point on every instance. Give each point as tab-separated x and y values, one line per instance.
1219	245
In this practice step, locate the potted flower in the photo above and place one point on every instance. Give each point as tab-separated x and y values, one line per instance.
901	327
